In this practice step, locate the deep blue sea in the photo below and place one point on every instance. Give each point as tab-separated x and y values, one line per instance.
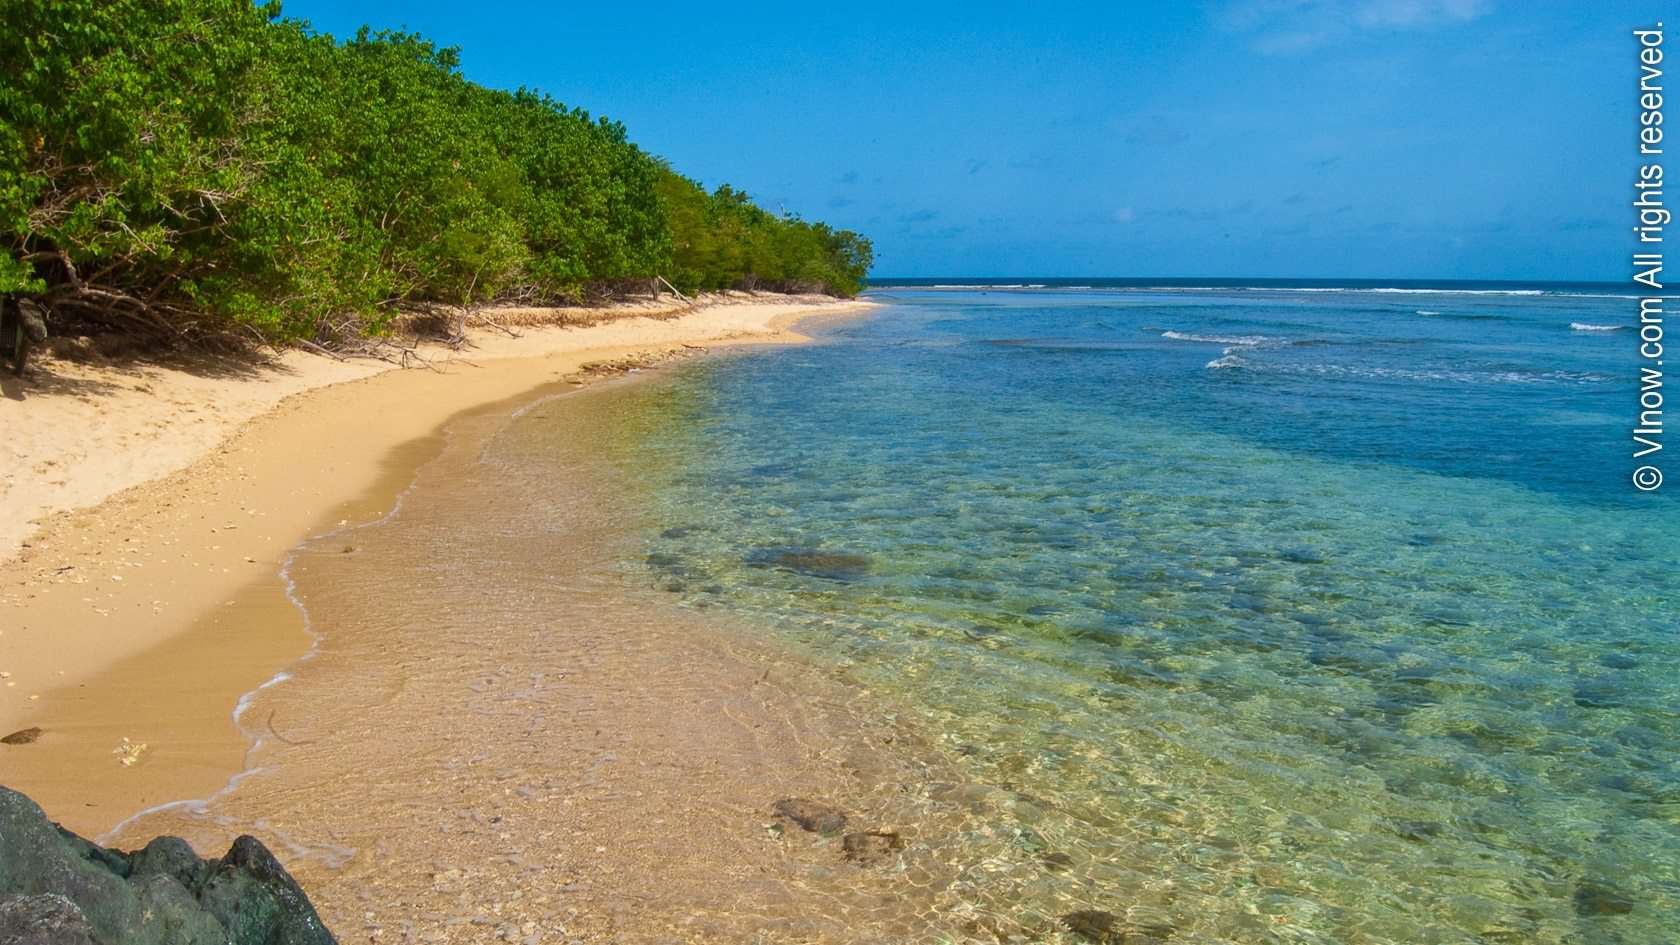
1322	613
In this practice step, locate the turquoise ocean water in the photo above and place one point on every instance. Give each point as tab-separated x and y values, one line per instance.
1309	615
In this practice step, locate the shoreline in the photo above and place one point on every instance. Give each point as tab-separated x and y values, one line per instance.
142	613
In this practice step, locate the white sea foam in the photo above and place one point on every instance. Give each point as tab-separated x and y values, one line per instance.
1424	311
1243	341
1384	290
1583	326
960	286
1372	372
1460	291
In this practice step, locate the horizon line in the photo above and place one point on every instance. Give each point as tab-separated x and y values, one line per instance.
1011	278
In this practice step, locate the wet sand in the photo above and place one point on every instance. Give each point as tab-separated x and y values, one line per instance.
506	733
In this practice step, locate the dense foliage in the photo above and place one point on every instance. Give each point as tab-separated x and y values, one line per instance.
181	164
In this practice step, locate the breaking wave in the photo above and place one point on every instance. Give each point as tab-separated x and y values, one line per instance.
1244	341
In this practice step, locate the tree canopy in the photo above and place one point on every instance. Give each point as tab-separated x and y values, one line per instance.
179	166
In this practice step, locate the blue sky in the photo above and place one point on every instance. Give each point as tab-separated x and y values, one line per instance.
1364	138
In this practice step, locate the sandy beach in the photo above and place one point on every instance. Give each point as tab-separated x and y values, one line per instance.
448	712
149	508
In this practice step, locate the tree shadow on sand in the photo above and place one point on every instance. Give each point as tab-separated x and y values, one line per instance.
80	367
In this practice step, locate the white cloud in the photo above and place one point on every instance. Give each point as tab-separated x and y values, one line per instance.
1410	14
1292	26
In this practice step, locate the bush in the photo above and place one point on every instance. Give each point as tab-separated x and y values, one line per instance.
184	166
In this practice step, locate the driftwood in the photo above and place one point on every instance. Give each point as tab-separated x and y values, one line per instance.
674	290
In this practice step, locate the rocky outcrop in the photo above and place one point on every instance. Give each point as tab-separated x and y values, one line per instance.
56	887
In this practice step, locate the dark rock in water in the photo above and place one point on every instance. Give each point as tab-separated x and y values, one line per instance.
1418	831
993	637
22	736
56	887
1618	661
1094	925
810	815
681	531
47	919
1397	702
661	561
257	900
1592	899
834	565
1056	862
1105	928
1597	696
870	847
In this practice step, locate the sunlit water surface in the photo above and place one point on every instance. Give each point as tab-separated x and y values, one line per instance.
1268	616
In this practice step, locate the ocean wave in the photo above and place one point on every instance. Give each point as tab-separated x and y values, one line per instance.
1380	290
1583	326
1241	341
1461	291
1424	311
1384	290
961	286
1372	372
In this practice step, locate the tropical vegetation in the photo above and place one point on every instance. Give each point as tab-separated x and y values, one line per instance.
186	167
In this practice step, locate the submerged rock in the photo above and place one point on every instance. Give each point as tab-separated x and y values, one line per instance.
810	815
23	736
869	847
1598	695
834	565
1418	831
57	887
1593	899
1094	925
1056	861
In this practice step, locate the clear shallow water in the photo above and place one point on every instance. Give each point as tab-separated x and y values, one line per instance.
1274	616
